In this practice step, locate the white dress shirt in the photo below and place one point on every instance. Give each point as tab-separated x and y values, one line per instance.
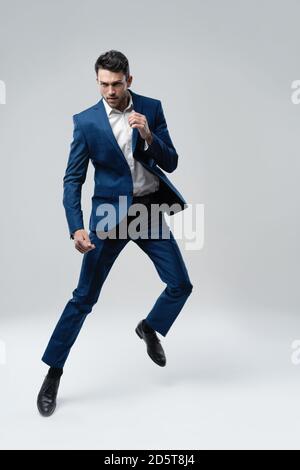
144	182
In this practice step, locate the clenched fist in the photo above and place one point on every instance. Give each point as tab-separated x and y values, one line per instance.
140	122
82	241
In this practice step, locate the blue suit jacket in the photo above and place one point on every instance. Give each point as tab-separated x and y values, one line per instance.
93	140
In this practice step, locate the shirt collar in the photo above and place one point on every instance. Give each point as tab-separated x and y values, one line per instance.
110	110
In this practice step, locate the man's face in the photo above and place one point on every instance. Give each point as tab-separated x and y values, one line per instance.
113	87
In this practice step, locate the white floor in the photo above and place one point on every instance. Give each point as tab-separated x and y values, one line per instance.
229	383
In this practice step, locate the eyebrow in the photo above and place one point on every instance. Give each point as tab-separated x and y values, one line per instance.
112	83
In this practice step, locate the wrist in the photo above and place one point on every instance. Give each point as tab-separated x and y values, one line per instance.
149	138
75	231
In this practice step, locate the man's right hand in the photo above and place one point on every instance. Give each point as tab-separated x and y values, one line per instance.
82	241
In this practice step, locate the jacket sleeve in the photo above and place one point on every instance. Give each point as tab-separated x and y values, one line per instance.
74	178
162	149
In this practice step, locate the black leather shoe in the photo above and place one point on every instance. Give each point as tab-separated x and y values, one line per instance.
154	348
46	400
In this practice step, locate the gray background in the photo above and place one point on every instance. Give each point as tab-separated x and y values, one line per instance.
223	71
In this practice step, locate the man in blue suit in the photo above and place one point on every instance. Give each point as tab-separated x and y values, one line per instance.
125	137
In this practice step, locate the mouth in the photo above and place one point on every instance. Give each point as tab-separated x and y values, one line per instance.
111	99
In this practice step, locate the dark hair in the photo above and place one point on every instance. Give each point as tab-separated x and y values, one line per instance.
114	61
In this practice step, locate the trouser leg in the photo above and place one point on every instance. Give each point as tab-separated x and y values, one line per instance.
169	263
95	267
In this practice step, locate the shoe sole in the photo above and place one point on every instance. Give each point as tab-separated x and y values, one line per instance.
141	336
